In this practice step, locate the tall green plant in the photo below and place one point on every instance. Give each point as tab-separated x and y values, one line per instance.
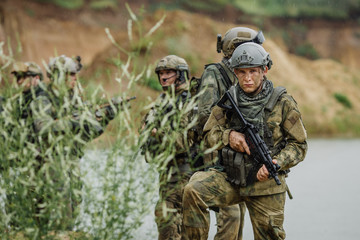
41	179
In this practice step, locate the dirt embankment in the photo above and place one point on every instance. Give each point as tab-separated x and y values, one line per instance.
45	30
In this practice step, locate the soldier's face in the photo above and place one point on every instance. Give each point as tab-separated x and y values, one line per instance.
250	79
71	80
26	82
167	77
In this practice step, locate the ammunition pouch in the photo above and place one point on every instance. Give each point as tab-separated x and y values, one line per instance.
240	169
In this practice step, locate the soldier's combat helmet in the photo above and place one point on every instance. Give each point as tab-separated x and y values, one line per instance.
63	64
173	62
250	55
236	36
26	69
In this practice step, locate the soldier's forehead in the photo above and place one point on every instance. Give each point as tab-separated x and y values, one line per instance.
166	70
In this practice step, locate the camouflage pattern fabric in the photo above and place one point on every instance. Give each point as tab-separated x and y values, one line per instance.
64	116
153	118
214	86
230	220
210	189
168	211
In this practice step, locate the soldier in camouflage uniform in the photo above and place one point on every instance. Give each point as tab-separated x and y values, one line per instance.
19	134
216	79
281	128
169	137
28	77
64	123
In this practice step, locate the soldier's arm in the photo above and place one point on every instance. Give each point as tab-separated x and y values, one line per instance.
210	95
44	121
216	132
295	133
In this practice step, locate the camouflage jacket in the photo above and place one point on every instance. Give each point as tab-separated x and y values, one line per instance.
285	124
55	115
214	86
170	116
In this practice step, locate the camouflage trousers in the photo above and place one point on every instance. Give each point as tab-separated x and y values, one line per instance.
229	219
210	189
168	210
230	222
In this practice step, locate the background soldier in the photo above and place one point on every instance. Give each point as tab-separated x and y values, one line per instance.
63	124
281	128
19	135
28	76
216	79
169	137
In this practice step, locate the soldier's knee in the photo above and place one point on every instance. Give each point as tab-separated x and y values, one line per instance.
189	191
272	225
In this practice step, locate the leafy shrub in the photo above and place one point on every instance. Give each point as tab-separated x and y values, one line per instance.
69	4
342	99
101	4
307	50
115	187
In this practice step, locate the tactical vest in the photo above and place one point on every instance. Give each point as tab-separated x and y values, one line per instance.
240	168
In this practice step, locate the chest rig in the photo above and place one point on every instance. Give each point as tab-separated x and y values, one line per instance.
241	169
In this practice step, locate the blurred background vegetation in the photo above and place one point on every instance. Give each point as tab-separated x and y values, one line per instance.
315	46
314	30
330	9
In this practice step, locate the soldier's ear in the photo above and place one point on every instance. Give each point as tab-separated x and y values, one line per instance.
265	70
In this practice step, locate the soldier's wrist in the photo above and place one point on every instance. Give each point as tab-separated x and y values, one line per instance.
226	136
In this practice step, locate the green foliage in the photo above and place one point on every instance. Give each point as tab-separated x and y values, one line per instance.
307	50
210	5
275	8
140	41
44	170
153	83
30	12
102	4
68	4
348	124
342	99
294	8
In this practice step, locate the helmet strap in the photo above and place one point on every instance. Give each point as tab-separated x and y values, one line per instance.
181	79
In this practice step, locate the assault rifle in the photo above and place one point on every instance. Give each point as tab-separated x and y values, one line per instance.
106	110
258	148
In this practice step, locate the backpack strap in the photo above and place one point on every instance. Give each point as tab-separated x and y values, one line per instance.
278	91
222	71
274	98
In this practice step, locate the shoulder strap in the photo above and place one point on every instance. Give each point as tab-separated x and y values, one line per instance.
275	96
278	91
222	71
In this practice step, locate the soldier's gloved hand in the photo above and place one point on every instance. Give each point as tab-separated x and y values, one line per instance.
237	142
263	173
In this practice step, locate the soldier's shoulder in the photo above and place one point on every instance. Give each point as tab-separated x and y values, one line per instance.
212	67
286	103
210	74
288	98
